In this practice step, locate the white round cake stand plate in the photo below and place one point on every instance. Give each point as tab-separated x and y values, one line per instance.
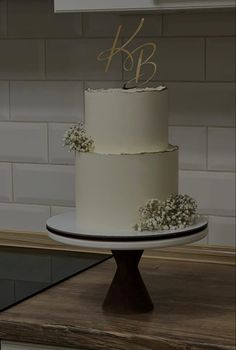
64	228
127	293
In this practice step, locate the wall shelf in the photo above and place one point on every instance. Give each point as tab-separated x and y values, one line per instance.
133	5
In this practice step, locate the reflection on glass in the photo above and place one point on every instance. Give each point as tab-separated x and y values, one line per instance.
26	272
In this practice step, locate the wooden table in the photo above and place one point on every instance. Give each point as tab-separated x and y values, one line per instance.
194	309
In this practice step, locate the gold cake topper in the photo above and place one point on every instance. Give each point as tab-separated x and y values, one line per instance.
129	62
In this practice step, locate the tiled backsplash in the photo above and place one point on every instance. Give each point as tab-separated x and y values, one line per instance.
46	61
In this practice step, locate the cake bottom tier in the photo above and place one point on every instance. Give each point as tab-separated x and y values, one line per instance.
110	187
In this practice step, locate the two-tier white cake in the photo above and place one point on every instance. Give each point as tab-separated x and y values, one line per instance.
132	160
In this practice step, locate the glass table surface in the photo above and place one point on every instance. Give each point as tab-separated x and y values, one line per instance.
25	272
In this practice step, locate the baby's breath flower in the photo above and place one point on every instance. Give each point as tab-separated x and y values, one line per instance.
177	211
77	139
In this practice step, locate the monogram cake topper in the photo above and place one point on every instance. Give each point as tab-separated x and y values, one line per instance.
144	52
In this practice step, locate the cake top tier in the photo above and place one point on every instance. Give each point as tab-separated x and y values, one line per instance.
127	120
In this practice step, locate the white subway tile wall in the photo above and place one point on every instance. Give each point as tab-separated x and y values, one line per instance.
103	84
44	184
222	230
35	19
60	210
46	61
22	59
76	59
214	191
58	154
220	58
5	182
221	149
23	142
46	101
192	142
4	100
202	104
177	58
199	24
23	217
3	18
106	24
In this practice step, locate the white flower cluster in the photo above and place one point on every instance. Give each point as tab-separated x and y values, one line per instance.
177	211
77	139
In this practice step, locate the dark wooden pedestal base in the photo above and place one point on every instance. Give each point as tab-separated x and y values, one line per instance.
127	293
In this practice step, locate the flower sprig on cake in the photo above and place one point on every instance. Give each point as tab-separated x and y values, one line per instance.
77	139
176	212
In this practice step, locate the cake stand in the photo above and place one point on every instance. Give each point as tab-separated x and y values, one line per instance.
127	293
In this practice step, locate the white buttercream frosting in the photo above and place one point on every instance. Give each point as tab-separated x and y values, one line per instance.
110	188
127	121
132	161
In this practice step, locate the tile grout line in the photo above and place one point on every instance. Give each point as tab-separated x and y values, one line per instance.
207	150
73	207
9	100
201	126
205	59
83	23
34	122
83	100
26	121
78	37
201	81
162	25
7	20
48	151
28	204
47	164
12	183
48	204
122	64
71	165
45	59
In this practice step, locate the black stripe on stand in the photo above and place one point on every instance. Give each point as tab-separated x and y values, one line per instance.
155	237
